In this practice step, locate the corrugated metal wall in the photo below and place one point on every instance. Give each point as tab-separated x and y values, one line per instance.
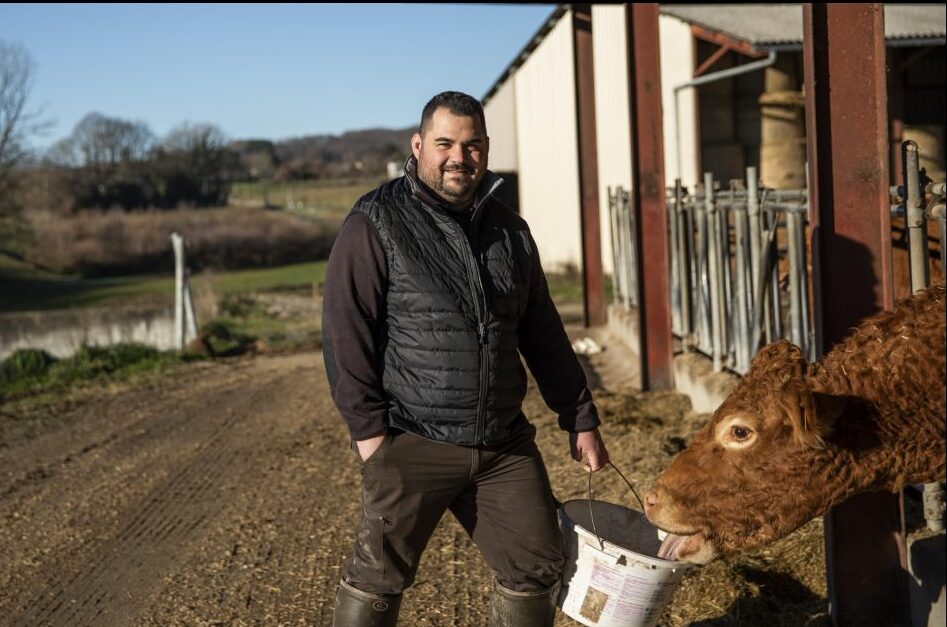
612	108
531	120
677	66
500	113
546	141
611	112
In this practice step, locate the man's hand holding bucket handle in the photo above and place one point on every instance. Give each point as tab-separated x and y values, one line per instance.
588	447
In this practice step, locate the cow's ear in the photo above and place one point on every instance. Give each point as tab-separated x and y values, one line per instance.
778	362
780	369
811	415
798	405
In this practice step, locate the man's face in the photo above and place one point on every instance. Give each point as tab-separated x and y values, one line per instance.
452	155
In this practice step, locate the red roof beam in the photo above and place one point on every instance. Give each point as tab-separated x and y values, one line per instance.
732	43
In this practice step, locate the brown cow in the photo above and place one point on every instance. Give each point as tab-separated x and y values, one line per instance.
794	439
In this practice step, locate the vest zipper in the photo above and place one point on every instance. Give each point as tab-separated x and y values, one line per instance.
484	374
480	304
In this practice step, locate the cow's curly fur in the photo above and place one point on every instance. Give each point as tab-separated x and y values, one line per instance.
870	415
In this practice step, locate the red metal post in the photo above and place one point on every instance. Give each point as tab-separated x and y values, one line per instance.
644	87
593	283
850	222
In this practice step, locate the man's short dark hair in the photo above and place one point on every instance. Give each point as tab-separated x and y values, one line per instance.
457	103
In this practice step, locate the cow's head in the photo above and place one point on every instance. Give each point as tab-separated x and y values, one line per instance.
743	481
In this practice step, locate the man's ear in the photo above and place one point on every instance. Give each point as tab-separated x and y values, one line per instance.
416	145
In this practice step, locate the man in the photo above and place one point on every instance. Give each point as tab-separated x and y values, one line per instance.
433	290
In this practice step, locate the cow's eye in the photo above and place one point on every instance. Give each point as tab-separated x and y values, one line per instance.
739	433
736	433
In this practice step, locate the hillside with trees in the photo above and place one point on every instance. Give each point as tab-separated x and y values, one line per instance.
363	153
103	200
112	163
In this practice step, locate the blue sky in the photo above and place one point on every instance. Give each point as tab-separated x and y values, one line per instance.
272	71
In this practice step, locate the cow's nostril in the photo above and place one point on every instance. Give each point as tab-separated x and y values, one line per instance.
651	499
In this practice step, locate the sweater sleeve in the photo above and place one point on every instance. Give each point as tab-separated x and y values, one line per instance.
548	353
352	312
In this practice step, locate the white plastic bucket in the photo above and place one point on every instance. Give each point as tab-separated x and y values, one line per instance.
614	579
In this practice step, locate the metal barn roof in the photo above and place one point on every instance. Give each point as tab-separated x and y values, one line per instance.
769	26
766	27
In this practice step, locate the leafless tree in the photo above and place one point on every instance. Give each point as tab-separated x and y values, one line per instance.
201	147
101	142
16	123
195	138
201	151
104	162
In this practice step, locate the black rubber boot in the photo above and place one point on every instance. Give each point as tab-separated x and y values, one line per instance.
509	608
356	608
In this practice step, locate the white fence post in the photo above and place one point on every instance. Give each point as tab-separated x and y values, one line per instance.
177	243
190	318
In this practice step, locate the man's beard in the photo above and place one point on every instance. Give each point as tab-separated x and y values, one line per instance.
451	189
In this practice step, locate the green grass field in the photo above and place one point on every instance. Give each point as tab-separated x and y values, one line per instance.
23	288
325	200
29	373
11	269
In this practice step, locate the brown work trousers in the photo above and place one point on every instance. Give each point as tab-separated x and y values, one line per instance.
500	495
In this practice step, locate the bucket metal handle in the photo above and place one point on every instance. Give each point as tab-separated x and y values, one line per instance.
592	516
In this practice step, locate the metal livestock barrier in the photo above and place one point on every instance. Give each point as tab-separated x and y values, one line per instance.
624	233
920	200
739	266
739	269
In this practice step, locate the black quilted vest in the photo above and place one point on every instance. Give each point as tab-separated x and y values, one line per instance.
450	365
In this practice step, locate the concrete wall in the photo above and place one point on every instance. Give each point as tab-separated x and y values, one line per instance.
694	373
547	146
612	107
500	114
61	333
677	66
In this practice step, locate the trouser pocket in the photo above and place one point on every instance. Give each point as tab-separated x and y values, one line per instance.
406	488
368	559
376	453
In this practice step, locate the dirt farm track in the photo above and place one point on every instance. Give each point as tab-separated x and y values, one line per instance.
226	495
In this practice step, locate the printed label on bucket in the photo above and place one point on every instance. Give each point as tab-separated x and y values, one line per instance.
615	592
